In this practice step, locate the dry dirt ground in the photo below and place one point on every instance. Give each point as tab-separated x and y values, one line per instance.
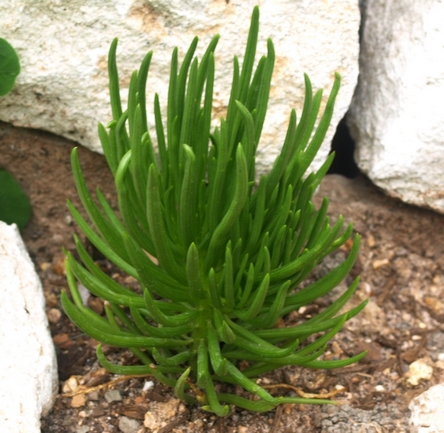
402	272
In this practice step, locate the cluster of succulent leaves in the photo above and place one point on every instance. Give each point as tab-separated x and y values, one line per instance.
14	203
220	259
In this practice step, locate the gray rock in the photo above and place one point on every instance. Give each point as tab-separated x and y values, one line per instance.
28	370
127	425
396	114
113	395
63	48
346	419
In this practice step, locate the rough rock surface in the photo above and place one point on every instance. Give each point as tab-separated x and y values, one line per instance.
28	369
427	415
63	50
396	114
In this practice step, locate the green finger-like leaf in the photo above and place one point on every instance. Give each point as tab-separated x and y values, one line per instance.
240	195
249	341
203	375
327	365
248	286
323	125
96	286
109	235
155	331
162	318
120	340
157	227
269	319
213	401
152	277
248	384
258	301
174	360
116	105
228	279
188	198
193	273
180	386
326	283
217	361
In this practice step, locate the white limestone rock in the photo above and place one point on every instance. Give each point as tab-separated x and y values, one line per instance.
28	368
396	116
63	48
427	415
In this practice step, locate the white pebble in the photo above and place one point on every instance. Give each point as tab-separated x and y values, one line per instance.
148	385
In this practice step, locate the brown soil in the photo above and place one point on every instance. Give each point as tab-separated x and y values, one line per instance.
402	272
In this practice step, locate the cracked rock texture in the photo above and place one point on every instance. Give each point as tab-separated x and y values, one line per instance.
396	114
28	367
427	415
63	48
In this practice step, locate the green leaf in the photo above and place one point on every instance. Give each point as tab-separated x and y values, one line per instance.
119	339
181	385
213	401
157	228
240	195
258	300
203	375
217	361
9	67
15	207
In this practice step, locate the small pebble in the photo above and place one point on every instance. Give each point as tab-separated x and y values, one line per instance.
371	241
98	411
68	219
45	266
93	396
127	425
84	294
53	315
58	266
418	371
82	429
78	400
63	341
380	263
96	304
57	239
70	385
139	400
148	385
113	395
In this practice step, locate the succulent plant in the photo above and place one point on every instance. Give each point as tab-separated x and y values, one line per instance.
220	258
